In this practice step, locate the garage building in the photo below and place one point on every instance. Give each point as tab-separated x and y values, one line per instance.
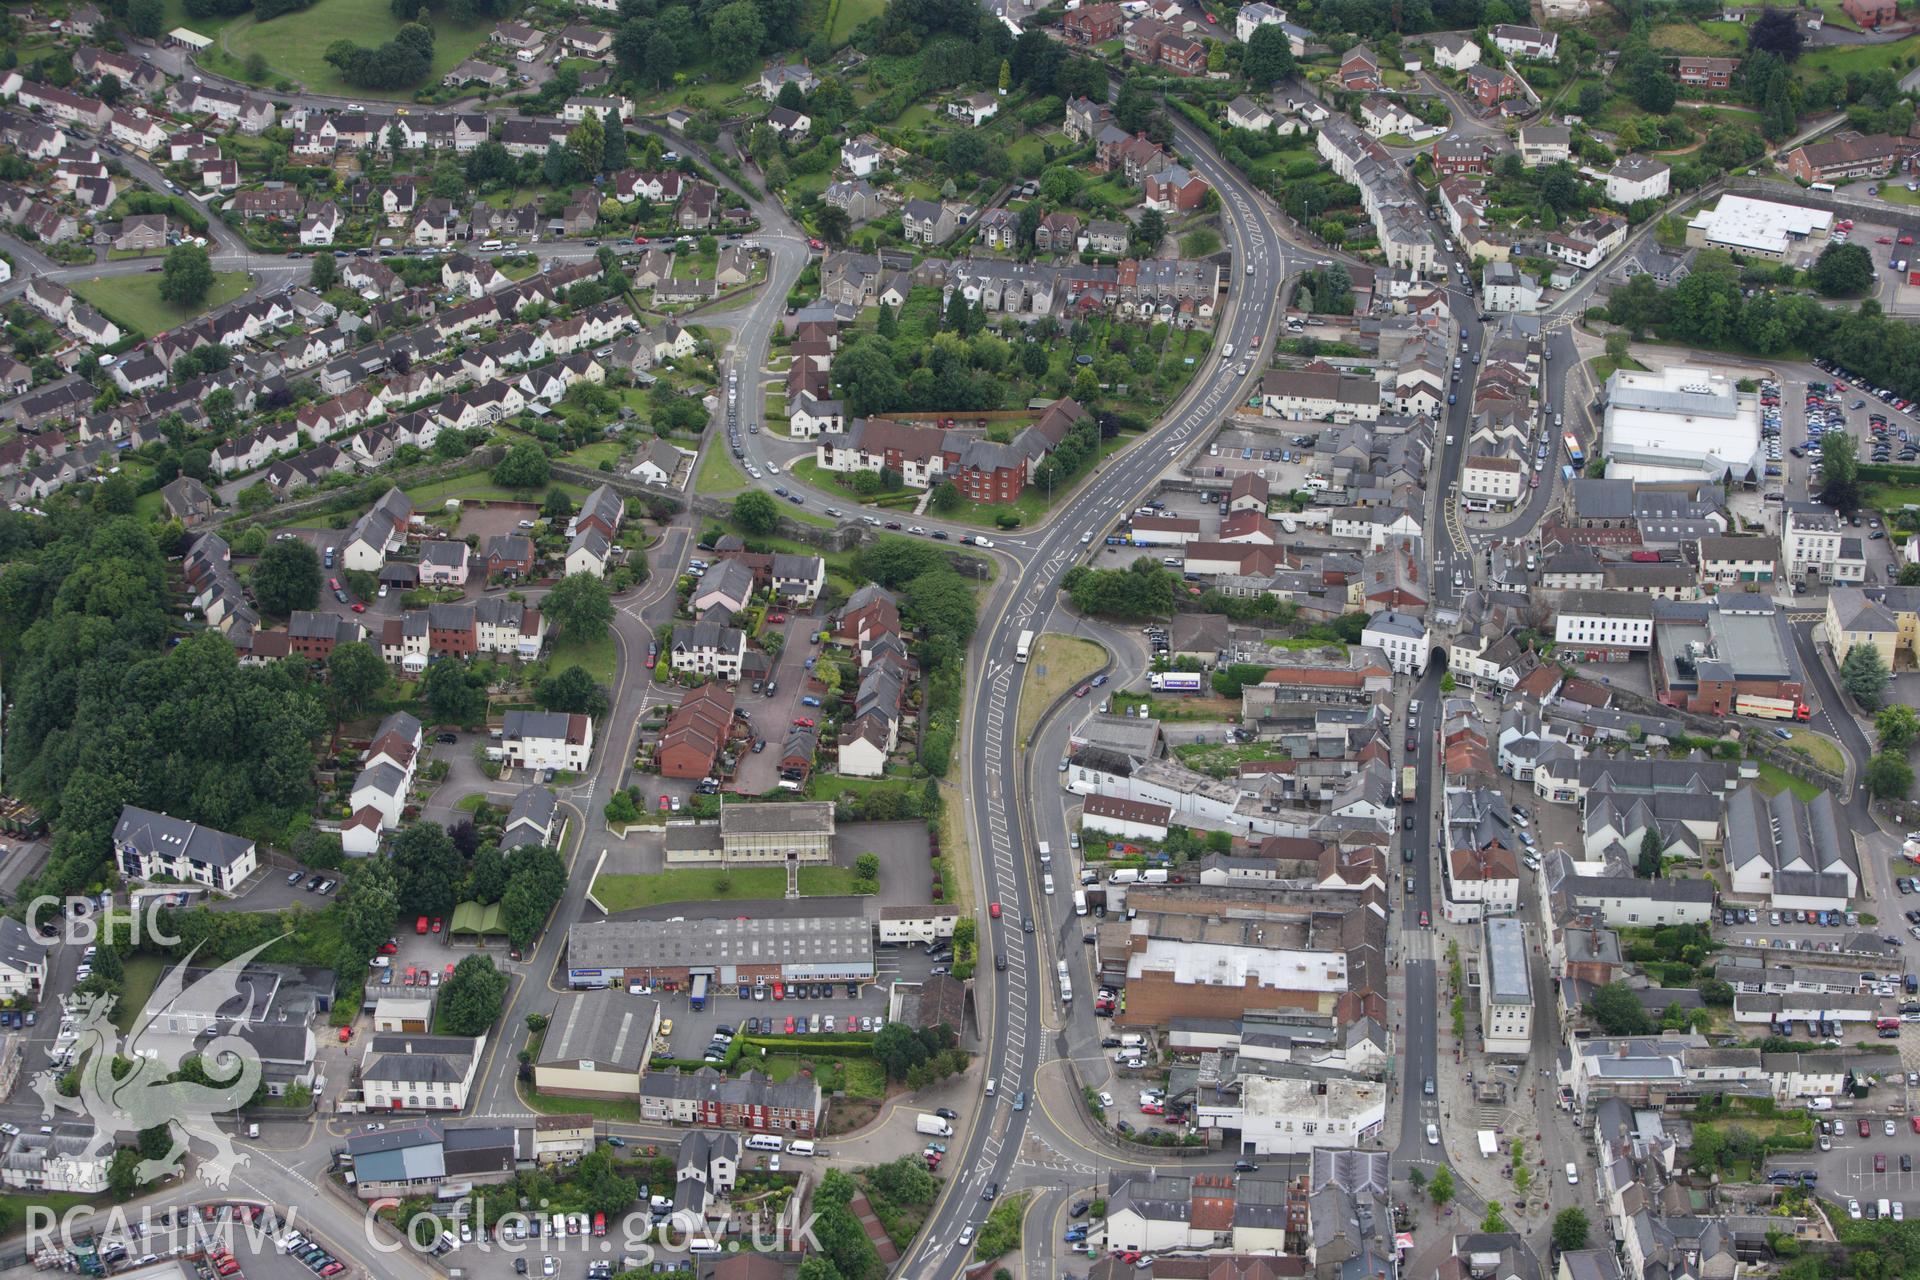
669	953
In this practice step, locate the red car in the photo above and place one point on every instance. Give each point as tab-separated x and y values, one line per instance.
776	617
1082	691
1906	239
1425	921
780	993
390	946
358	607
1866	1129
333	584
1256	340
1879	1162
447	976
1884	240
436	924
419	926
802	722
993	909
640	240
789	1024
664	802
815	245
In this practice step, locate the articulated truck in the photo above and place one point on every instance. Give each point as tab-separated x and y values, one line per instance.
1748	704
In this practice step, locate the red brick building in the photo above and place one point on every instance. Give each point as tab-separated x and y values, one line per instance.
1849	155
695	733
1707	73
451	631
1489	87
1093	24
314	635
1870	13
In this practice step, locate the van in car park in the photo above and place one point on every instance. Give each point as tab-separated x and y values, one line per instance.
800	1147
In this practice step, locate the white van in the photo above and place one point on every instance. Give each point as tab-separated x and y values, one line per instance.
765	1142
800	1147
991	1085
1226	352
1046	884
1046	854
700	1246
489	244
1573	1175
1079	902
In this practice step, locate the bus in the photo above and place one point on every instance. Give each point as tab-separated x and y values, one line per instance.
1024	648
1823	187
697	992
1574	455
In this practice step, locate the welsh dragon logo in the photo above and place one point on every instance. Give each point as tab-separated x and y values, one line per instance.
167	1031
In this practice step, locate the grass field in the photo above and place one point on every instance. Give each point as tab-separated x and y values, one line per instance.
134	301
600	657
1057	664
1841	59
1683	37
701	884
718	474
848	14
295	45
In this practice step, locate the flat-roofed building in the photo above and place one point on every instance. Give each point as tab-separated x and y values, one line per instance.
1506	989
1760	228
1680	423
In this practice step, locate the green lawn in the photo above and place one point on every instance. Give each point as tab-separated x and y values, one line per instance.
142	976
707	884
295	45
600	657
717	472
1773	780
860	1077
1821	751
599	451
1684	37
808	469
1604	367
133	302
14	1209
478	488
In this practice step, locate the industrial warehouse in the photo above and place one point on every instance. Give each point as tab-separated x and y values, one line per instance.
671	953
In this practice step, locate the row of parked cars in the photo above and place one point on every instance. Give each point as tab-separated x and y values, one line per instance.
317	1259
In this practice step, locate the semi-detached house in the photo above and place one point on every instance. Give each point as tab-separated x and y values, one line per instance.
547	740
